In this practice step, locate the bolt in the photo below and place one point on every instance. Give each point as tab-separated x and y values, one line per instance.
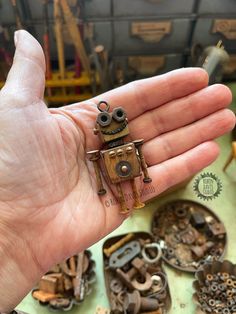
135	303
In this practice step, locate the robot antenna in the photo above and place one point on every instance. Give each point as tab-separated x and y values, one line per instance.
106	108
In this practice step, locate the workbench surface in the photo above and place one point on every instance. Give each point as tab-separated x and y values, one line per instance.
180	283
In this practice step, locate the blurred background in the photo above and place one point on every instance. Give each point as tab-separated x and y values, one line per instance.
94	45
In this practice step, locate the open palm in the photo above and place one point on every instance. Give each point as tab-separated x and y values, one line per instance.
48	195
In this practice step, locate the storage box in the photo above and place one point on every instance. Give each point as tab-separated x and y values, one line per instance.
217	6
95	8
135	67
151	36
152	7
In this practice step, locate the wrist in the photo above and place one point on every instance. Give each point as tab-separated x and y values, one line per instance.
18	268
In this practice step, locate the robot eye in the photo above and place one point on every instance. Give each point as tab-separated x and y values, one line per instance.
104	119
119	114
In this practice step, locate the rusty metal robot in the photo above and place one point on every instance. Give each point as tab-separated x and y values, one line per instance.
118	160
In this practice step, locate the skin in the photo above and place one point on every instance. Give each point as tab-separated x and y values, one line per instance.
49	207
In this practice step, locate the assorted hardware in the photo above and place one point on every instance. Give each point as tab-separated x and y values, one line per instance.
189	234
216	288
135	280
122	161
67	283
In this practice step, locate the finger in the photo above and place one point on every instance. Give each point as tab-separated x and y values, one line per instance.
140	96
27	74
180	112
180	168
177	142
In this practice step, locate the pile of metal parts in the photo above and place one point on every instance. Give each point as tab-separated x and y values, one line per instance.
67	284
189	234
135	280
216	288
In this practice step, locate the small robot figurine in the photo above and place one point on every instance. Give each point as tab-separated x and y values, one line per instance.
120	161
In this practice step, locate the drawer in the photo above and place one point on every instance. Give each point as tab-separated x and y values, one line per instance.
6	13
95	8
152	7
209	31
135	37
135	67
217	6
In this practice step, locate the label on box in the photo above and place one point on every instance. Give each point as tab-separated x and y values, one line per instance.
146	65
151	31
225	27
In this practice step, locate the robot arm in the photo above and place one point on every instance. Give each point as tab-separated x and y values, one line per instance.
94	156
138	144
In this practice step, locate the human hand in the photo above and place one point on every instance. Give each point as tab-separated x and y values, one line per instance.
49	207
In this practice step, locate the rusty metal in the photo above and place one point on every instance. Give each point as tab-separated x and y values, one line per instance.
108	251
121	161
124	254
134	303
136	276
190	233
116	285
127	277
78	282
142	283
214	292
66	284
61	303
154	259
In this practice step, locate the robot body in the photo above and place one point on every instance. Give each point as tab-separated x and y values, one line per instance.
121	161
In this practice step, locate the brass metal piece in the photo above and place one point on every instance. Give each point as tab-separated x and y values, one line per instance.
48	284
118	244
44	296
138	144
94	156
137	202
209	277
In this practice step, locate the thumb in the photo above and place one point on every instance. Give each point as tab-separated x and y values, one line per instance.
27	74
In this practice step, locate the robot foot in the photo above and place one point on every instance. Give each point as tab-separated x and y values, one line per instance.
138	205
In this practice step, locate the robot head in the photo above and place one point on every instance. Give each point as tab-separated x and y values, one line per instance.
111	126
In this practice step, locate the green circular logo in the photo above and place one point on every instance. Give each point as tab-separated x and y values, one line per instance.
207	186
